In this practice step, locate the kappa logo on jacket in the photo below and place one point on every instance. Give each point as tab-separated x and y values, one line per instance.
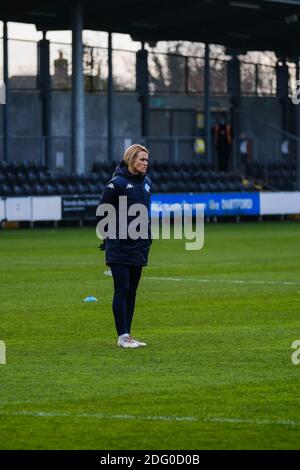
147	187
111	186
129	186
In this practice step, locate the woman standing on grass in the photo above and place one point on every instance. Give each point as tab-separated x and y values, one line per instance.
126	257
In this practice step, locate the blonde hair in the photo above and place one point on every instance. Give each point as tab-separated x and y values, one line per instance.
131	153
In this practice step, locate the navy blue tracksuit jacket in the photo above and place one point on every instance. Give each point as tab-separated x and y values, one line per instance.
137	188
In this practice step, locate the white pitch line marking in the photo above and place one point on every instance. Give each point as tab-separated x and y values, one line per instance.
45	414
227	281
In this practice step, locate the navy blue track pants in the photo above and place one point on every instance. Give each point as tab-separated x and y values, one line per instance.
126	280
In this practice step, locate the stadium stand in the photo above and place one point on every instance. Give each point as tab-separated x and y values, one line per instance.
33	179
280	176
30	178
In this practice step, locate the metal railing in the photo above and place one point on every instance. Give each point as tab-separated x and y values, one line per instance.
168	72
162	148
271	161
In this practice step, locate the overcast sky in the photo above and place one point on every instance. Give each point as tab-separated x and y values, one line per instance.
23	55
28	31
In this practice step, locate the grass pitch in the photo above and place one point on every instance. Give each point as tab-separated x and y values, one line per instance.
219	323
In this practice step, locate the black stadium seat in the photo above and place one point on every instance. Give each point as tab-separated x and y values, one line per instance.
31	178
5	190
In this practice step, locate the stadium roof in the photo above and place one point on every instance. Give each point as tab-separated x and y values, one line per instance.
238	24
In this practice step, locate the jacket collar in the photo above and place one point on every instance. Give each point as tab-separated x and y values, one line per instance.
122	170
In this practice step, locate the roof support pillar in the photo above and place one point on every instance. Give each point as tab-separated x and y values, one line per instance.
234	90
44	84
110	133
297	116
78	118
282	76
5	107
142	86
207	105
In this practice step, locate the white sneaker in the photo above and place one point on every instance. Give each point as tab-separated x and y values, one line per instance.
138	342
126	341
